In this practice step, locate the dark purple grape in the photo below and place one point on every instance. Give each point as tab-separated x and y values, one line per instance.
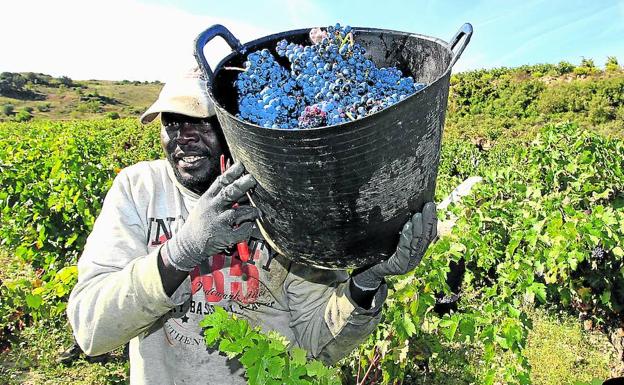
329	82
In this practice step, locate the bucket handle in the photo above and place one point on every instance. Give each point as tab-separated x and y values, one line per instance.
465	32
203	39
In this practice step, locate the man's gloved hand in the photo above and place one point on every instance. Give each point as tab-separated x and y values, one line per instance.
210	227
416	236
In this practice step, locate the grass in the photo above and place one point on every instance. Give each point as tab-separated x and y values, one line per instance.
32	361
561	352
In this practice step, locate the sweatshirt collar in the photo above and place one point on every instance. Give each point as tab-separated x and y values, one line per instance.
186	192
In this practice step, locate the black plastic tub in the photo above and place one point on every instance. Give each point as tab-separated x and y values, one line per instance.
337	197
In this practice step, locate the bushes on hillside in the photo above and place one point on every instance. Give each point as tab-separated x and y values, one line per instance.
7	109
23	116
612	64
43	107
518	99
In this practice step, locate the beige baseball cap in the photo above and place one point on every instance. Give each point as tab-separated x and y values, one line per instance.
185	95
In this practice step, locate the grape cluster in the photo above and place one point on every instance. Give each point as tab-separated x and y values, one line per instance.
598	254
329	82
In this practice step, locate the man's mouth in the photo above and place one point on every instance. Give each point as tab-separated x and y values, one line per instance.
190	161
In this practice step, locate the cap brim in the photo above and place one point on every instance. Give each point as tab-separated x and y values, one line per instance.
158	107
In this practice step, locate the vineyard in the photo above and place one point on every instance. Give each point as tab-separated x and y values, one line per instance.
540	239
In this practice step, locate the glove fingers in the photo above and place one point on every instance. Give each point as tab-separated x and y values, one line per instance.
430	221
244	200
429	225
242	232
397	263
405	241
381	270
417	234
235	191
229	176
245	214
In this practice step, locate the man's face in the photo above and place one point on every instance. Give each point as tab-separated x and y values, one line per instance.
193	147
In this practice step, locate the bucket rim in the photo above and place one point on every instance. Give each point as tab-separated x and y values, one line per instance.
246	47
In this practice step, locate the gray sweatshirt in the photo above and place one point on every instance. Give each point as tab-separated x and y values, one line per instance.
119	296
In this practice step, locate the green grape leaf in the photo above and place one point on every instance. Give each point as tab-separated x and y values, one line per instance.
298	356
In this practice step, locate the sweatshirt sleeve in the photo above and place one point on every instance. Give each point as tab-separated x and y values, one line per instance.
324	318
119	293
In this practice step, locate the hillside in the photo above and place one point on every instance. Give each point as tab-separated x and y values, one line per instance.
514	102
483	104
45	97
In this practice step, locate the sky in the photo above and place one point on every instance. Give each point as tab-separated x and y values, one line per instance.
153	39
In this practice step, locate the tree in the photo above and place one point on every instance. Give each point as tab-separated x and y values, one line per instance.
612	64
565	67
11	83
589	63
66	81
587	67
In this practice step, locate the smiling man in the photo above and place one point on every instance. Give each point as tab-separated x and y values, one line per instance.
161	255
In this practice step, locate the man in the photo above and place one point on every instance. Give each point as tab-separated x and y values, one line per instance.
162	254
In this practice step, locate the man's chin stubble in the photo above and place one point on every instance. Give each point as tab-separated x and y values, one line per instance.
193	183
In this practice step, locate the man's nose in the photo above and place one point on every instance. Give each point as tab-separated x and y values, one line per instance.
188	133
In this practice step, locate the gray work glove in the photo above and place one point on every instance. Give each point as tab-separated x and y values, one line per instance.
416	236
210	227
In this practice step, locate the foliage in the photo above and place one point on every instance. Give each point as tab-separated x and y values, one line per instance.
43	107
92	106
545	228
612	64
555	200
510	102
267	358
23	116
7	109
11	83
54	178
527	235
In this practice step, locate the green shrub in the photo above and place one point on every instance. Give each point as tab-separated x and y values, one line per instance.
7	109
43	107
91	106
23	116
587	67
612	64
54	177
600	110
564	67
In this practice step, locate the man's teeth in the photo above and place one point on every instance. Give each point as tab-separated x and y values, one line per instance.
191	159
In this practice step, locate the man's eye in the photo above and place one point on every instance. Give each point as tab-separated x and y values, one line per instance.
171	127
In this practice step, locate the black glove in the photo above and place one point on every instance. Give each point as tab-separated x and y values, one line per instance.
416	236
210	227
